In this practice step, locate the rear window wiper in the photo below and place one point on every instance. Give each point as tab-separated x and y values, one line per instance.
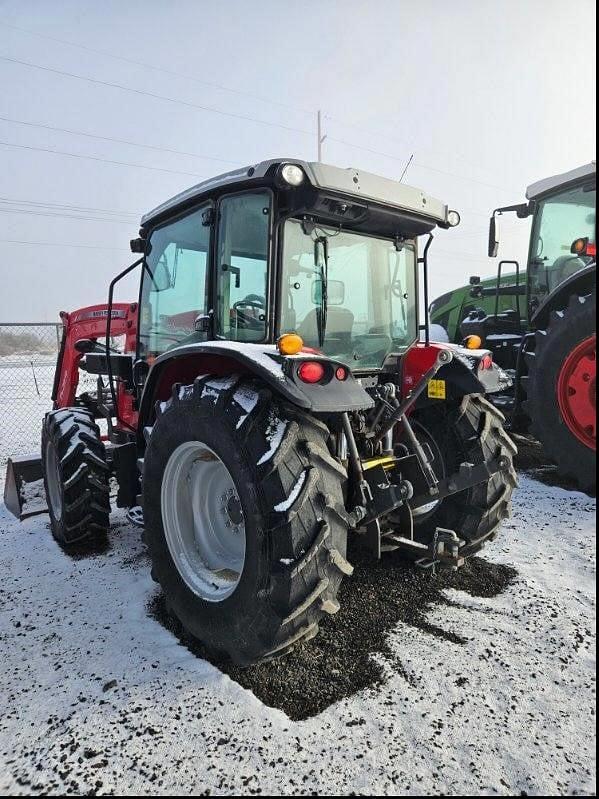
321	262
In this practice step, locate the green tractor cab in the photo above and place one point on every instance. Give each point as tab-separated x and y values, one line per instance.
540	323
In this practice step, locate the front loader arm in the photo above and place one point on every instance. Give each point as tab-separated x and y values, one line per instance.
88	323
23	491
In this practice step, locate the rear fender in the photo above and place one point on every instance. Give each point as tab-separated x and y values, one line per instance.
581	283
183	364
463	375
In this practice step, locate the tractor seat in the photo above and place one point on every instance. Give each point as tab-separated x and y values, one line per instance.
564	267
340	323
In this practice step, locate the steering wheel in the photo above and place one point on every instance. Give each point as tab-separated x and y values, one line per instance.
245	320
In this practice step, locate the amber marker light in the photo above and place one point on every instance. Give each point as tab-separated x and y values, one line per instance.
290	344
474	342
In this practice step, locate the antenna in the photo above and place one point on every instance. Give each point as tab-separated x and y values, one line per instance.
406	167
320	135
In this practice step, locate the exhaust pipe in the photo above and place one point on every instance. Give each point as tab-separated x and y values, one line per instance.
24	494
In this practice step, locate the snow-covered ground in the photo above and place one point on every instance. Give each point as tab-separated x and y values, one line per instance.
97	697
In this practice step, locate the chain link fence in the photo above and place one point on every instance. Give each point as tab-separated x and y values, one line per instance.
28	353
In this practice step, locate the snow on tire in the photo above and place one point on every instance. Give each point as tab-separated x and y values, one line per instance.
291	491
471	431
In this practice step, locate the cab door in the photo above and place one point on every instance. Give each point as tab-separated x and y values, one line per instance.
174	291
242	276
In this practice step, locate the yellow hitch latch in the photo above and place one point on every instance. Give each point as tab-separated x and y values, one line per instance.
387	462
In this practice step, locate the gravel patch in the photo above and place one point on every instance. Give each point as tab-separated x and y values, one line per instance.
345	657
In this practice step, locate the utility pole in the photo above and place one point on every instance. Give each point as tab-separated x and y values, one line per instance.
321	138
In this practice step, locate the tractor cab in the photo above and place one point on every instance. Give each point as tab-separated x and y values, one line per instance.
327	253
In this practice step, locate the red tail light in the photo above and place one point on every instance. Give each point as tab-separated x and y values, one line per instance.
486	363
311	372
341	373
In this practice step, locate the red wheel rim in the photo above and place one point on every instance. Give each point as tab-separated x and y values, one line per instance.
577	392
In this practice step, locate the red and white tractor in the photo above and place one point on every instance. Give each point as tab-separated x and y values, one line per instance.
274	394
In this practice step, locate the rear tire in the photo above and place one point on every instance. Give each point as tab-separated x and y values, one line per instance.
566	331
470	432
295	526
75	477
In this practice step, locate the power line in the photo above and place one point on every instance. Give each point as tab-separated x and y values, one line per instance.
155	96
403	144
171	72
210	84
462	177
417	164
96	158
68	207
61	244
29	212
117	141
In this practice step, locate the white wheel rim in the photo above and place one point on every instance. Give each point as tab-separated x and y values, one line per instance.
53	481
203	521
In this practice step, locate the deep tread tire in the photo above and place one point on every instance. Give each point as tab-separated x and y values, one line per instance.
74	437
565	331
295	556
471	432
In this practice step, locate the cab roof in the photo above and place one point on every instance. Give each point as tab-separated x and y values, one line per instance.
564	179
349	182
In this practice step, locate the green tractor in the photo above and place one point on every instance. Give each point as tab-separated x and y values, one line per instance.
449	311
540	324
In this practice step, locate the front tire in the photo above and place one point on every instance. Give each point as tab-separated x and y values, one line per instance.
76	476
290	492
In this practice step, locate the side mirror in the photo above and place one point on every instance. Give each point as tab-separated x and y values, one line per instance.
161	275
493	240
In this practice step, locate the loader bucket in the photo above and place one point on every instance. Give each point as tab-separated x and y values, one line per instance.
24	494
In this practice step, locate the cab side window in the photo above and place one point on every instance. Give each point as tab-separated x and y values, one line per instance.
174	288
242	266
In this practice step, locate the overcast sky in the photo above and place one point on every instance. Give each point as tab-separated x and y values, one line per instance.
488	96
